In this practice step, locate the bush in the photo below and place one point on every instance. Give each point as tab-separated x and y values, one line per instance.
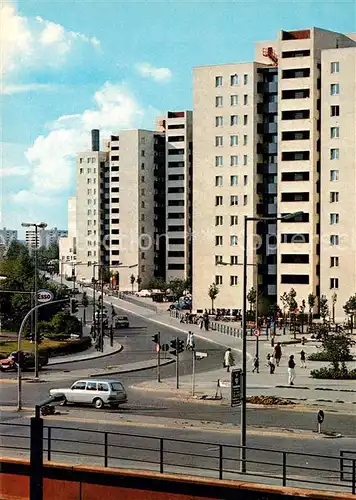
61	326
330	373
323	356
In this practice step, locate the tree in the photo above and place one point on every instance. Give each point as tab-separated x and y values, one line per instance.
350	309
302	313
132	280
251	297
213	293
323	308
311	304
178	287
337	347
291	301
157	284
139	281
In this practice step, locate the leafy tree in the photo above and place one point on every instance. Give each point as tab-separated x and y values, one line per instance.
323	308
62	325
311	304
178	287
139	281
213	293
337	346
284	300
252	297
157	284
350	309
132	281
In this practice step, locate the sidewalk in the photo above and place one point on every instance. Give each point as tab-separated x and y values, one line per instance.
306	388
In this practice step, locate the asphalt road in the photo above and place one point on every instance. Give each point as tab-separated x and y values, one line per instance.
187	451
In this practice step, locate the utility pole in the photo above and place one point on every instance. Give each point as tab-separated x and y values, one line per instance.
193	371
36	303
158	347
177	364
102	312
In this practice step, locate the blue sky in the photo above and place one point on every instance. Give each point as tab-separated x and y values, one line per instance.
74	65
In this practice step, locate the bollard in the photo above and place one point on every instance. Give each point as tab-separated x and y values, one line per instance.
36	457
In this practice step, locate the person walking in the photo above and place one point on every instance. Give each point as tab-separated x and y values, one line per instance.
291	370
302	359
277	353
190	341
229	359
272	366
256	365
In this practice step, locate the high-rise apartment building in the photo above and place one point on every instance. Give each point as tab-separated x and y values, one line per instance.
45	237
268	142
6	237
177	126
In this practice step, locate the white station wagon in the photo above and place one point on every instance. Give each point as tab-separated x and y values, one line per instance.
96	392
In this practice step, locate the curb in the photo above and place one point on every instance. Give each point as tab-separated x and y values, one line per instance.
102	355
132	370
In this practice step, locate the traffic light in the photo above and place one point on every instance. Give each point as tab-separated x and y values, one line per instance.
177	345
180	345
155	338
73	306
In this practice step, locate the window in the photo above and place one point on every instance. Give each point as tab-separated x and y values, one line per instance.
334	261
142	192
234	220
245	159
234	140
245	79
218	259
218	81
334	89
219	140
89	181
334	218
334	175
245	99
218	161
219	122
245	119
142	152
219	220
245	199
234	260
233	180
335	67
218	180
143	268
103	387
334	283
334	197
81	170
80	160
233	240
334	154
234	200
142	166
142	217
78	386
91	386
89	192
234	100
245	180
245	140
218	280
218	200
218	101
334	239
218	241
234	80
233	280
234	120
334	110
142	204
142	178
334	132
234	160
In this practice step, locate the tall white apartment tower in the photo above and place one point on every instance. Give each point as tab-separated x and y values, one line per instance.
177	126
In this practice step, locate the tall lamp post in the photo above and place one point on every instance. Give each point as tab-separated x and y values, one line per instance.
36	225
244	333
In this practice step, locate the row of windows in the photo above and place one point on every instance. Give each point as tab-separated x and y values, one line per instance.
233	280
234	200
89	160
234	140
81	171
234	120
234	260
234	80
234	100
233	180
234	160
219	241
219	220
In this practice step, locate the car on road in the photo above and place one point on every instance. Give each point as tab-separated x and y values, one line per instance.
121	322
98	393
10	363
143	293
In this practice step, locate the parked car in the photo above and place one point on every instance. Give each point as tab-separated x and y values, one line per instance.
96	392
10	363
121	322
143	293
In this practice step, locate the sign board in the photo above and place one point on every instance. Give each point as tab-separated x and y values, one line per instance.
320	417
44	296
165	347
257	332
236	387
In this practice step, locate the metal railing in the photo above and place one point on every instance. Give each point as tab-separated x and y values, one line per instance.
209	459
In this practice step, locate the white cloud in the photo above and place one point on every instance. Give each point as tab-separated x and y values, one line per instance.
28	43
161	75
10	89
14	171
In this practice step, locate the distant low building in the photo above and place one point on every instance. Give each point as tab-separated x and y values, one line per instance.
45	237
6	237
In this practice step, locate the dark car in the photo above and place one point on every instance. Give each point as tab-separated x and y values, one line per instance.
10	363
122	322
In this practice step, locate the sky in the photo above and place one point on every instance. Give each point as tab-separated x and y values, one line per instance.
72	65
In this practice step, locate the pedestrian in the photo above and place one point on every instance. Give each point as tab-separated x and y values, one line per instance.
190	341
291	370
302	359
201	323
268	358
272	366
278	353
256	365
229	359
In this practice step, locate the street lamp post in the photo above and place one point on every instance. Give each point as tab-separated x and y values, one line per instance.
36	225
244	334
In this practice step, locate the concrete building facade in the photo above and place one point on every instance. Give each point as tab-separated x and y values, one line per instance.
7	236
67	244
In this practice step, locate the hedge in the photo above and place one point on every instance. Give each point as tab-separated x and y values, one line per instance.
330	373
323	356
68	347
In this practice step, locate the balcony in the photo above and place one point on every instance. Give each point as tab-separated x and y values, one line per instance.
267	148
267	87
267	107
264	168
267	128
